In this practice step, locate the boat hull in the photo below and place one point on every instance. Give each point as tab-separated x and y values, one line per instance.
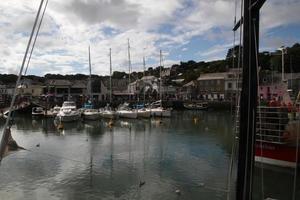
129	115
282	155
93	116
160	113
68	118
108	115
143	114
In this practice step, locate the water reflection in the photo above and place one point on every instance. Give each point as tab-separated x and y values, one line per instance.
89	160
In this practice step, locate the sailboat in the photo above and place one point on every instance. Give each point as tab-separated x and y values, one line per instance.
124	110
142	112
89	113
156	108
108	112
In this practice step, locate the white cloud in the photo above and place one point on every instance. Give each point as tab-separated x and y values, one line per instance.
70	26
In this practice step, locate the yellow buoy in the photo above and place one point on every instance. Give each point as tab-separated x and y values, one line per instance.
196	119
60	126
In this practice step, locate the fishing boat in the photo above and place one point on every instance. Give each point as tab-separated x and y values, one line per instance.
196	106
68	112
37	112
276	129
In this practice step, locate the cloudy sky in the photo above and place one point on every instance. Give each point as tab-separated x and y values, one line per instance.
183	29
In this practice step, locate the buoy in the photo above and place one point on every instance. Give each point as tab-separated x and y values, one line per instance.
38	145
110	123
60	126
142	183
178	192
195	120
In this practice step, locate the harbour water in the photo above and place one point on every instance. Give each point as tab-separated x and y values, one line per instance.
135	159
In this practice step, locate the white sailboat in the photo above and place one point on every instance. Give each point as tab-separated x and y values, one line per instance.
108	113
143	112
90	113
156	108
124	111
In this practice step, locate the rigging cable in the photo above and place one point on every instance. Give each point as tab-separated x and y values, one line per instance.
229	176
237	104
6	127
36	35
259	113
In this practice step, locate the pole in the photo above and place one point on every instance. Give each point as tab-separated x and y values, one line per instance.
160	85
144	68
129	70
90	76
248	102
282	64
110	72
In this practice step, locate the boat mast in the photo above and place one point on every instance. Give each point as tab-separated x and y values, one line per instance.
110	72
160	81
248	101
90	76
144	68
129	70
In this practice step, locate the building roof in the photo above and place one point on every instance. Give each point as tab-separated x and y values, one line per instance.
148	78
191	83
58	82
212	76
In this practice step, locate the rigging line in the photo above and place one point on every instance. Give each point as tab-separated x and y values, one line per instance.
233	139
2	145
296	167
36	35
259	113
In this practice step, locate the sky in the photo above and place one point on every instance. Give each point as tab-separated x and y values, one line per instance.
199	30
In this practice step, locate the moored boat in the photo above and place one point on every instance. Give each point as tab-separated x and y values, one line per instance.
277	136
196	105
125	112
37	111
68	112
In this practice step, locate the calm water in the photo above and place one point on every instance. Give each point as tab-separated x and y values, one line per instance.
88	160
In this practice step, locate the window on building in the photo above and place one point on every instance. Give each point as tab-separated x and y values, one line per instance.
229	85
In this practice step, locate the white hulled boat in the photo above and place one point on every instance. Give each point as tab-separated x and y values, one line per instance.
68	112
37	111
88	112
158	111
91	114
125	112
143	113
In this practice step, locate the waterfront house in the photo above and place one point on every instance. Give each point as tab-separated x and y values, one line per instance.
30	88
211	86
233	84
188	91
